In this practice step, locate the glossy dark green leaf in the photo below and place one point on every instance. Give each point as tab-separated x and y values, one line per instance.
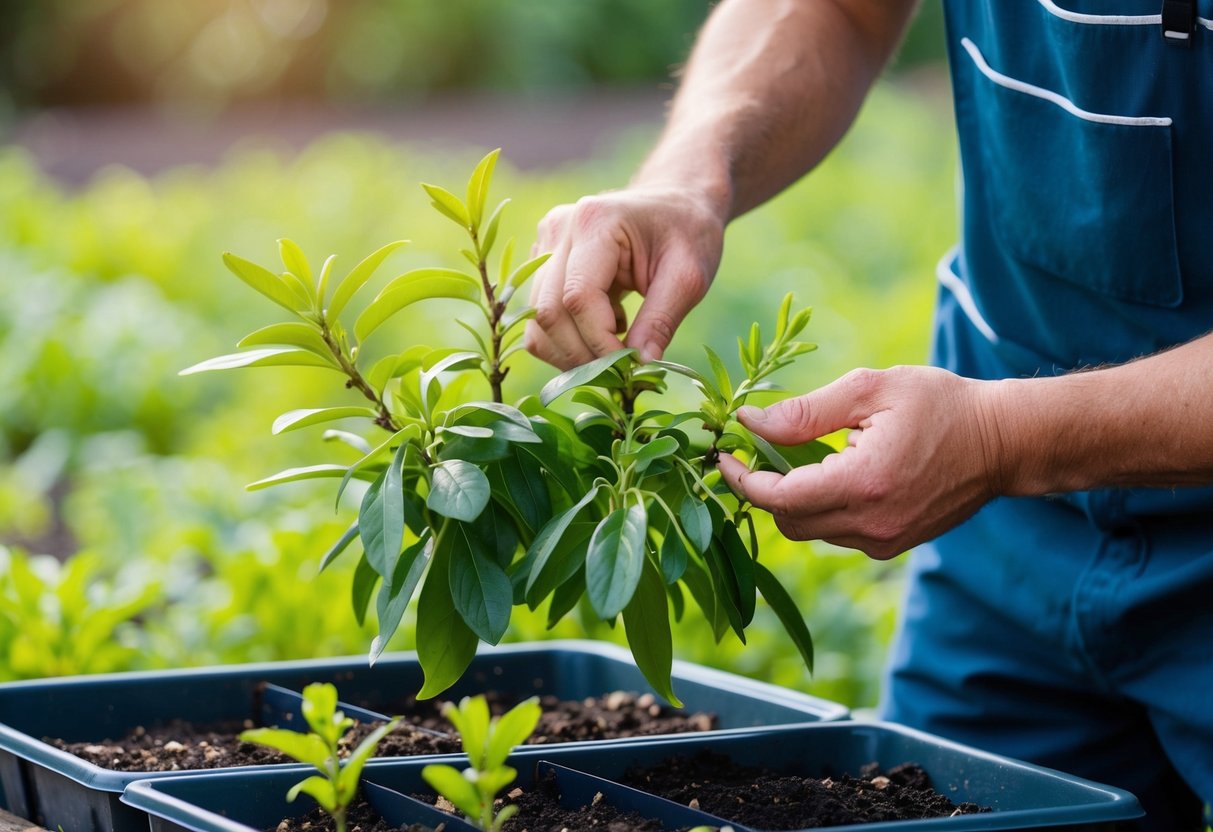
565	598
585	374
646	619
363	586
381	517
458	489
615	559
479	450
784	607
742	566
674	557
480	589
394	595
445	643
263	280
549	537
699	583
677	601
418	285
340	546
518	478
724	584
696	522
266	357
497	532
658	448
564	560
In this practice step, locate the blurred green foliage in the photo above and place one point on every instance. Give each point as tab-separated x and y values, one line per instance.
107	291
204	56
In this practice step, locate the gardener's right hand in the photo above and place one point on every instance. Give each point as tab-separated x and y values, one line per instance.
662	242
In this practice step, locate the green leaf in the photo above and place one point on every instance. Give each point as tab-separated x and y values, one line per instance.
780	601
451	362
478	187
497	532
546	541
742	565
490	228
340	546
291	334
458	489
519	479
474	449
471	719
523	272
723	382
295	419
381	517
512	728
263	280
724	583
357	278
309	472
301	290
363	585
414	286
306	748
448	205
585	374
452	785
445	643
294	260
650	452
321	789
479	586
347	781
269	357
320	710
563	560
674	556
696	522
647	621
395	366
702	587
394	595
781	319
405	436
615	559
322	283
565	598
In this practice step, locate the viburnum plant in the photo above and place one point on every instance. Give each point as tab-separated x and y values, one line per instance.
491	504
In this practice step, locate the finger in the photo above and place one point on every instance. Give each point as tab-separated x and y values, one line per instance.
805	418
672	293
590	274
563	346
802	493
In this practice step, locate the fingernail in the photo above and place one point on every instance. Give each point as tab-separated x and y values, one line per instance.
651	352
749	413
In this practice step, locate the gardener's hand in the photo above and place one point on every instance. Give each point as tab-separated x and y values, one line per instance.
662	242
924	454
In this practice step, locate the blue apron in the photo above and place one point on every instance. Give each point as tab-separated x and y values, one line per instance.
1075	631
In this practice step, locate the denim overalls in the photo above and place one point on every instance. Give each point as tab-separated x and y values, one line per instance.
1075	631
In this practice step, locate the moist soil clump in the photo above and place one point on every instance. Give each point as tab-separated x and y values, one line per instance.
181	746
610	716
765	799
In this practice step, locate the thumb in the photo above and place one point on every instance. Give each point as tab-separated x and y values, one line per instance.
803	418
669	299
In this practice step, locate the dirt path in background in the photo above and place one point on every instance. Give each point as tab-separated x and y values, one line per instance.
72	145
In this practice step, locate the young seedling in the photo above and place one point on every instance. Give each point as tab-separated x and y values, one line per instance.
477	506
337	784
487	742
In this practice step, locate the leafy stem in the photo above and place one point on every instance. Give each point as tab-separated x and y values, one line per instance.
355	379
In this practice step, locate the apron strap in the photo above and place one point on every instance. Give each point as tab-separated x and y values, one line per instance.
1179	22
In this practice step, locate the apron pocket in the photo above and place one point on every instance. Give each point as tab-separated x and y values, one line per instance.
1083	197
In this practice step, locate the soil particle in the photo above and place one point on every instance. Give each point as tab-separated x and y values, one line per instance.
764	799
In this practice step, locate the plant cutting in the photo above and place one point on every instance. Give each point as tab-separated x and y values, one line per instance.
337	784
477	504
487	741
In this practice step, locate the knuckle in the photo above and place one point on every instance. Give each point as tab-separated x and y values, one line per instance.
863	381
553	223
795	411
577	297
547	315
874	489
662	324
588	212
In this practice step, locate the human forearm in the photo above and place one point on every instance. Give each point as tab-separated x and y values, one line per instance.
1144	423
770	87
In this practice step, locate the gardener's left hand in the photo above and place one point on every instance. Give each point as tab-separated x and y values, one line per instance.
924	454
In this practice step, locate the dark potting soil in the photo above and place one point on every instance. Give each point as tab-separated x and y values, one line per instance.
539	810
765	799
359	818
181	746
612	715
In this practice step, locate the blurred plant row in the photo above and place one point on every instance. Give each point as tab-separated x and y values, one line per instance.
128	540
66	52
